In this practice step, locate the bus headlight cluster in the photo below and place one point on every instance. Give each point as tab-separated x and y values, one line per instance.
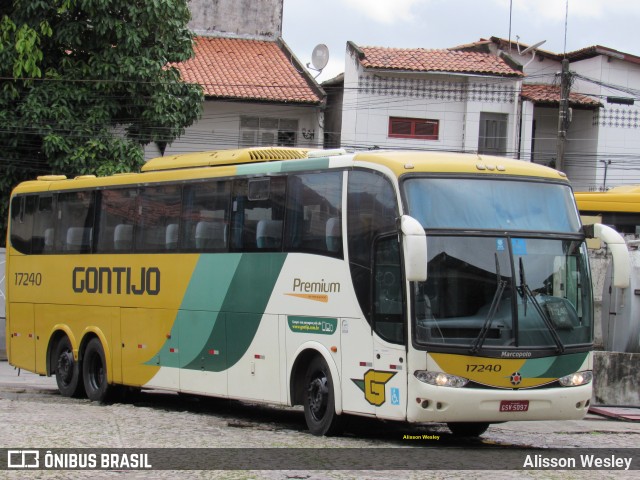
576	379
440	379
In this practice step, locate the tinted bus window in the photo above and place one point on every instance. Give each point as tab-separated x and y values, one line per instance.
159	218
74	230
22	212
205	216
258	213
116	220
314	216
372	211
43	240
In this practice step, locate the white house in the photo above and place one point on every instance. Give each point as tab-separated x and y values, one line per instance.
256	91
429	99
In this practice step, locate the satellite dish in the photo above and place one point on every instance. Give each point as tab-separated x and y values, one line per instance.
320	57
532	47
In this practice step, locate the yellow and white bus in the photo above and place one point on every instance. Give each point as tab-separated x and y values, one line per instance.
412	286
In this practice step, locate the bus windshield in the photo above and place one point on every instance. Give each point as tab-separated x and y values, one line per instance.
497	287
502	292
494	204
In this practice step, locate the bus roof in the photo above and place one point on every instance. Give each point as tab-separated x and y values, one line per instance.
402	162
263	160
619	199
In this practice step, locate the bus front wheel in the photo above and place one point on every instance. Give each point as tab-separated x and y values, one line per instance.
319	400
94	371
68	376
468	429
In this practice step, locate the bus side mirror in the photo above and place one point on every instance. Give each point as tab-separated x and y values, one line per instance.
618	249
414	249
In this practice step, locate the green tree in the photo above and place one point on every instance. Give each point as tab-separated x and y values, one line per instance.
85	84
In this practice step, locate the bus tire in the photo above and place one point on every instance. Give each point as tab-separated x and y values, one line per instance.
467	429
319	400
94	371
67	370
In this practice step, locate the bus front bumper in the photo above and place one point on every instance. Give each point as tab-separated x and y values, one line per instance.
446	404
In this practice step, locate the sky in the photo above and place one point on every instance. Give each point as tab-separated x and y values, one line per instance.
435	24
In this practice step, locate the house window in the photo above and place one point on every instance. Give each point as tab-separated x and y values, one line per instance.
418	128
268	131
492	138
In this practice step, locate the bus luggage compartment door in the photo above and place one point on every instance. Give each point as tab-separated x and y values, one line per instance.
22	342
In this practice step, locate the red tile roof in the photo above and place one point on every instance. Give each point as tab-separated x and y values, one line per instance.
247	70
550	95
423	60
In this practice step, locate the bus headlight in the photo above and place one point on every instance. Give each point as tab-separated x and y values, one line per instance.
440	379
576	379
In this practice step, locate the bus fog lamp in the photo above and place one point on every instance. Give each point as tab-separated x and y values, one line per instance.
576	379
440	379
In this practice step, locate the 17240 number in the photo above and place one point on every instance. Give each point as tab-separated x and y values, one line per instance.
24	279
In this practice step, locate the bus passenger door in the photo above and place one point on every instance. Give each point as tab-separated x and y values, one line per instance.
389	383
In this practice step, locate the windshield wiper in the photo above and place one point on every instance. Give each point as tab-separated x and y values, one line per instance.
525	292
495	303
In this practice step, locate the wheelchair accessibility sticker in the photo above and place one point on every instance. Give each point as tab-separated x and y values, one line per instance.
395	396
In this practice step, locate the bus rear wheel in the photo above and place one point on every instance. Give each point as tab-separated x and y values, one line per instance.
68	375
319	400
468	429
94	371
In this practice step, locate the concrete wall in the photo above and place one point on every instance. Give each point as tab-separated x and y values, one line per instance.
258	19
616	379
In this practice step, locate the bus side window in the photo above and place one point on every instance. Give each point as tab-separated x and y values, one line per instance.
158	209
314	216
43	226
74	228
258	206
205	216
117	214
22	212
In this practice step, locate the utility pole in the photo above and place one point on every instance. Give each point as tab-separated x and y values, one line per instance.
563	116
606	164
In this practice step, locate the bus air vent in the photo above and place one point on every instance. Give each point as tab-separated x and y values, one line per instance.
51	178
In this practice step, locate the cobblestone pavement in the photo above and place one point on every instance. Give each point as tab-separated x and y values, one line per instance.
34	415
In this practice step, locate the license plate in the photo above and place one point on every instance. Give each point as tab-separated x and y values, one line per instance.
514	405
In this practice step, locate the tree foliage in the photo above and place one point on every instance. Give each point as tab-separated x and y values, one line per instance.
85	84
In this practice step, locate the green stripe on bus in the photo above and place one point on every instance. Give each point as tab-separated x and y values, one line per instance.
198	312
553	367
212	332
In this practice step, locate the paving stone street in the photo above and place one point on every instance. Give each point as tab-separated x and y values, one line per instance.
34	415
